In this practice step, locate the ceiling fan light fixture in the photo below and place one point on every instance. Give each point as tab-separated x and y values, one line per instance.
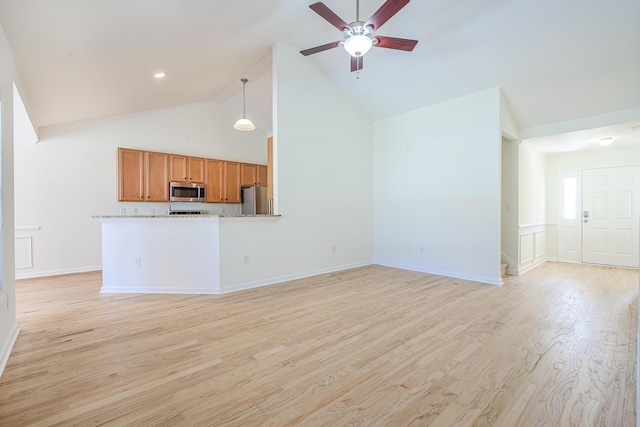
243	123
358	45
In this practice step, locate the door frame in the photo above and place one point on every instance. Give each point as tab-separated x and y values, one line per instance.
565	238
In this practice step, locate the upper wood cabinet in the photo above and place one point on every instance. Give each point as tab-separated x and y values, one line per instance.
130	175
214	180
196	169
270	168
145	176
142	176
156	177
253	175
248	174
186	169
231	182
262	176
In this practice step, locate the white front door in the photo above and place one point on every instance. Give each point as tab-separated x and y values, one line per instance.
610	205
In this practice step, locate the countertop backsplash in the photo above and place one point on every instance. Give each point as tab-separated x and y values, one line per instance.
147	208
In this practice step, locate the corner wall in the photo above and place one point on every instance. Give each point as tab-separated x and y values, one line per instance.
437	188
323	156
533	230
8	326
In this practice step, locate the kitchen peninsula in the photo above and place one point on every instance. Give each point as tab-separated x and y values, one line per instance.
164	253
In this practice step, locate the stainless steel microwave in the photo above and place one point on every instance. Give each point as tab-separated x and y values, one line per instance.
187	192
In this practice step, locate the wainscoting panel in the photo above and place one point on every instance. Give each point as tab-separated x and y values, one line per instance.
24	252
532	246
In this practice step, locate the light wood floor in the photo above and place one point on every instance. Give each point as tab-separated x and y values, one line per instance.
369	346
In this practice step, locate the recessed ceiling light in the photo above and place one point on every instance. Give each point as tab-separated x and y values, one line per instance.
159	75
606	141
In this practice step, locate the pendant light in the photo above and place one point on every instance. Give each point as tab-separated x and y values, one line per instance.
244	123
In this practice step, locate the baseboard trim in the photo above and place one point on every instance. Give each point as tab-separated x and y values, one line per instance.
497	281
129	290
281	279
524	269
34	274
8	347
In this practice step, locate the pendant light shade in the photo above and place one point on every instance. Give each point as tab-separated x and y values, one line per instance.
244	124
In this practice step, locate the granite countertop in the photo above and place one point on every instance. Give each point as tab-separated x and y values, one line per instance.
188	216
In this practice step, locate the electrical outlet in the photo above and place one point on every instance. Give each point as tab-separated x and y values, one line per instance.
138	262
246	259
135	211
421	249
123	211
334	249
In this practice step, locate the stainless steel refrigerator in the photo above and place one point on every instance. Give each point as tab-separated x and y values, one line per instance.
254	200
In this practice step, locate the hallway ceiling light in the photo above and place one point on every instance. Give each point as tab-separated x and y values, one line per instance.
244	124
606	141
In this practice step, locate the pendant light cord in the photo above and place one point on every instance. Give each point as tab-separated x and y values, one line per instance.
244	99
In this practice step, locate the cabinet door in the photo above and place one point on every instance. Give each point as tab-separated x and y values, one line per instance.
156	188
177	168
130	175
196	169
231	182
262	176
214	180
248	174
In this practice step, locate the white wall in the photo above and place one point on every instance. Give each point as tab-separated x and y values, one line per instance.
532	186
8	326
532	228
324	164
70	175
437	188
509	219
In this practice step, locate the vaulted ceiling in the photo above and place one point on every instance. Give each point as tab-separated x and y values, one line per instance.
555	60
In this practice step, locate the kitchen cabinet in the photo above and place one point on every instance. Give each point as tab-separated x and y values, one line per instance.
253	175
223	181
214	180
248	174
145	176
142	176
130	175
231	182
270	168
262	176
186	169
156	177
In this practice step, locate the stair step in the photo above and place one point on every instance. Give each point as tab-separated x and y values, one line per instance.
504	267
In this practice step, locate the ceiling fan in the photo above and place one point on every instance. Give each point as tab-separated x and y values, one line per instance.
359	36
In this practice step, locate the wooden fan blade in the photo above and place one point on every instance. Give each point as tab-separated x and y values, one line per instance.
356	63
322	10
396	43
317	49
386	11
